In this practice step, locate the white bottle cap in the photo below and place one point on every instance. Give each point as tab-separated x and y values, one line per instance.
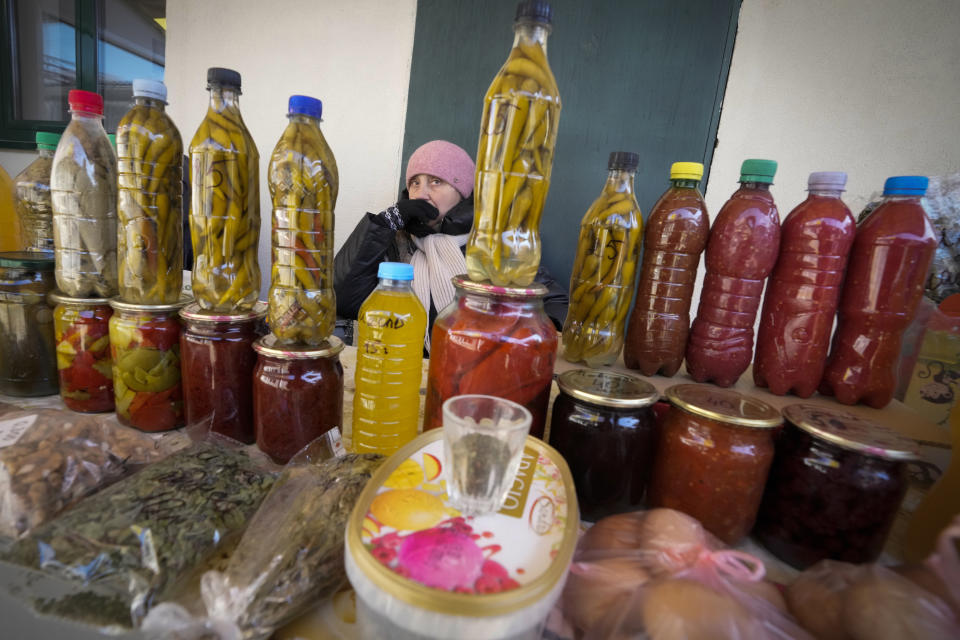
150	89
827	181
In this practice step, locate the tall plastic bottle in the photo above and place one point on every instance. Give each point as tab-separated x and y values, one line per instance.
741	253
521	113
392	327
676	235
32	194
801	300
225	203
83	186
601	284
888	267
301	303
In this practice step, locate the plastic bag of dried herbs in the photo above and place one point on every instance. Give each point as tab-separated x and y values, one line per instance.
139	536
290	556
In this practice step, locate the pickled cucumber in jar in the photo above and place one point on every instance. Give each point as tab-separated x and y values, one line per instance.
225	202
515	156
301	304
602	280
83	186
150	169
33	199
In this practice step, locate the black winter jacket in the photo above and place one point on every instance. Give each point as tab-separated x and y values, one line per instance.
372	242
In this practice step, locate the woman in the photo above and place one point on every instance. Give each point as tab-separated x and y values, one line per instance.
428	227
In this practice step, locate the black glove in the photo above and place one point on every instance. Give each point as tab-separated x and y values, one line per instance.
413	215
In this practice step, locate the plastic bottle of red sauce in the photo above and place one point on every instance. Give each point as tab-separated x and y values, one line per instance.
803	292
676	235
888	266
741	253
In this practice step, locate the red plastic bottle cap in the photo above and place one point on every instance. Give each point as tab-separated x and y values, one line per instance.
87	101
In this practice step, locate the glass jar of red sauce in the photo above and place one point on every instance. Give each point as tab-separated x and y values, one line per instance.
603	425
713	457
495	341
297	395
145	345
81	328
218	361
834	489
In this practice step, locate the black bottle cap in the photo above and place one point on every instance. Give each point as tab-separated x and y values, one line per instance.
625	160
535	10
223	77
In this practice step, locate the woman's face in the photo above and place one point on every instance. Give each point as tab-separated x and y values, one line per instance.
437	192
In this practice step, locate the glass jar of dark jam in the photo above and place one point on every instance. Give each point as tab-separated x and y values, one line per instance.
713	457
603	425
218	360
835	487
82	331
297	395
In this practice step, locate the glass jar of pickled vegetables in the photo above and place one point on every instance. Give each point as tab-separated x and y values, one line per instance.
302	303
149	209
521	114
82	330
83	187
713	457
218	361
297	395
495	341
601	284
28	364
835	487
32	194
603	425
145	345
225	202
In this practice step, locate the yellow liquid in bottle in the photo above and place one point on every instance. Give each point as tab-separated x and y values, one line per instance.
9	220
386	403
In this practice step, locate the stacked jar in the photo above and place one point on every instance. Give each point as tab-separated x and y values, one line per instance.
298	379
144	328
28	366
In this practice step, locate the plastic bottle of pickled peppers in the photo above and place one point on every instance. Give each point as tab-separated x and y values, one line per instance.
518	133
741	253
601	285
888	267
801	300
676	235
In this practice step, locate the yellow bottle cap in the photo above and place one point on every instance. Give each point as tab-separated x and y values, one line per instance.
686	171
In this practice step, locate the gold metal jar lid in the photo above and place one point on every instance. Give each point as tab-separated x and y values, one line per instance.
59	297
120	305
463	283
723	405
607	388
851	432
195	313
268	346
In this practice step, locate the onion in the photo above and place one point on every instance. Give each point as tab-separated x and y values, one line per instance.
599	590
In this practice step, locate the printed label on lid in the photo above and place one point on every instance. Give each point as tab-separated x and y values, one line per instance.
412	530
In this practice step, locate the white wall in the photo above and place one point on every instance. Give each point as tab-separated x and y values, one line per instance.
870	88
355	56
14	160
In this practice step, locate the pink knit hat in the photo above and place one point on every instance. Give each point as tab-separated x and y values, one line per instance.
446	161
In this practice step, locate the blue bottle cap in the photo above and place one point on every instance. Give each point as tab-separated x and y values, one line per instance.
905	186
395	271
306	105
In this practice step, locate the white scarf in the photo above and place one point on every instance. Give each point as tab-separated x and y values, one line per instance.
437	259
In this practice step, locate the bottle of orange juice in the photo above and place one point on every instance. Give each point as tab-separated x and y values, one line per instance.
9	221
392	326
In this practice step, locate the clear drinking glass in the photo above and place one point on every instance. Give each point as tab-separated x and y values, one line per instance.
483	439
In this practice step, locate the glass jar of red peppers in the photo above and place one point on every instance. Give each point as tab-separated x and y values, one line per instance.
145	345
496	341
218	360
603	425
82	330
834	489
713	457
297	395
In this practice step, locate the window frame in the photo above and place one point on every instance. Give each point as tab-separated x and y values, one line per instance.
20	133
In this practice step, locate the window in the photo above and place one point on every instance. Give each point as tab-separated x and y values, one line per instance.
48	47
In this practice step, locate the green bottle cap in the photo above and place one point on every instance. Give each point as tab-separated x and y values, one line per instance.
756	170
47	140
